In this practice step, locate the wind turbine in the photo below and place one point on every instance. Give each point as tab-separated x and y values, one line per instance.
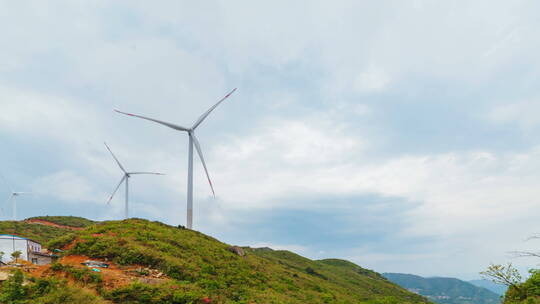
193	141
13	199
125	179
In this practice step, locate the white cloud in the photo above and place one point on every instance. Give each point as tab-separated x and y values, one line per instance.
66	65
30	113
373	79
280	158
68	186
522	113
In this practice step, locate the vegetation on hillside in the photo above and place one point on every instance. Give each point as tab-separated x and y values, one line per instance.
39	233
350	278
445	290
201	267
527	292
44	291
71	221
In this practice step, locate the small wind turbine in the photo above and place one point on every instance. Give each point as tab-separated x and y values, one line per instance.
192	141
125	178
13	199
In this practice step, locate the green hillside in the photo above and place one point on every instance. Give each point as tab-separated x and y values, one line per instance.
199	267
39	233
71	221
349	278
445	290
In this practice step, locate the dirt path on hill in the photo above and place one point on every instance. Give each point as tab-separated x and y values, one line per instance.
47	223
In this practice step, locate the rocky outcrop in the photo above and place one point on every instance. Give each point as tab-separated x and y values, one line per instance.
237	250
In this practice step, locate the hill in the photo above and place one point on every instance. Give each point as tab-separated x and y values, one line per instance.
151	262
445	290
350	278
39	233
69	221
496	288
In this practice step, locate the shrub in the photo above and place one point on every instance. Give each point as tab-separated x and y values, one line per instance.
12	288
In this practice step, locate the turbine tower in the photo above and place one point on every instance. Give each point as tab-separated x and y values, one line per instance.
13	199
125	179
193	141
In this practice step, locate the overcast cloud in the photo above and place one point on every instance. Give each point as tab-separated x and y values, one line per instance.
402	135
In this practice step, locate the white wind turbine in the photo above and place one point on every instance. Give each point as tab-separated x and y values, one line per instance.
125	179
13	199
192	141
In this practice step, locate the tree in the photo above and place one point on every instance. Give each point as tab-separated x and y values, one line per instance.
501	274
2	255
16	254
13	289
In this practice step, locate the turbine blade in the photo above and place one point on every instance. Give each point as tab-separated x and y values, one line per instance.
155	173
7	202
116	159
116	189
6	183
205	114
199	151
9	198
168	124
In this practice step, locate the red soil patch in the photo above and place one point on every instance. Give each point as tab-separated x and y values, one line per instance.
72	244
113	277
47	223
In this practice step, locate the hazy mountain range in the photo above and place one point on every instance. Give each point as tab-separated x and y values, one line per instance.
496	288
445	290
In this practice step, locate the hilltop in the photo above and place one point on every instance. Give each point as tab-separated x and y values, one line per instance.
68	222
445	290
151	262
44	228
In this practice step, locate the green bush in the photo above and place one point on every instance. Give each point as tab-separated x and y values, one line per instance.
82	275
526	292
145	294
13	289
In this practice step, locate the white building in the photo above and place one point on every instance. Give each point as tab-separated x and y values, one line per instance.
30	250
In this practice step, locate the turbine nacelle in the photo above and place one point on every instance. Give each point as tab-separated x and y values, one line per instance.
125	178
12	198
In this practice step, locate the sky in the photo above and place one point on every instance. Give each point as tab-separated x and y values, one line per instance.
400	135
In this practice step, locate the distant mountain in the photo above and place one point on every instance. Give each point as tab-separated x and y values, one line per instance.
496	288
445	290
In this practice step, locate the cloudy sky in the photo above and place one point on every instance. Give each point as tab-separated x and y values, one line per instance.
401	135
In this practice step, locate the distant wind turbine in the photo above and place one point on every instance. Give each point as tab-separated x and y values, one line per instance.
193	141
13	199
125	179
